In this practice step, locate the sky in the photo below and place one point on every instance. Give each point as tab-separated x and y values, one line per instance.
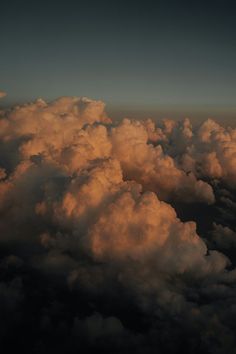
161	57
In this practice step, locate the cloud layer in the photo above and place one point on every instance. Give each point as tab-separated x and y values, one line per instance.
115	236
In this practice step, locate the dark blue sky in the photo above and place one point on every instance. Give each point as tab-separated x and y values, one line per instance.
142	55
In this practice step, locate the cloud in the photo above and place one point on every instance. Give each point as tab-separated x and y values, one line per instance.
2	94
96	326
208	151
223	237
154	169
116	235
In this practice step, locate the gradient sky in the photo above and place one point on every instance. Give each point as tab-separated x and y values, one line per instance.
138	55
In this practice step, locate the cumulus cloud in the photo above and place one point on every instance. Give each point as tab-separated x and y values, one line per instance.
223	237
208	151
2	94
154	169
116	234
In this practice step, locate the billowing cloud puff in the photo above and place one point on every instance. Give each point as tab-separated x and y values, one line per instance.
154	169
2	94
144	234
115	235
207	151
89	193
223	237
57	122
139	227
